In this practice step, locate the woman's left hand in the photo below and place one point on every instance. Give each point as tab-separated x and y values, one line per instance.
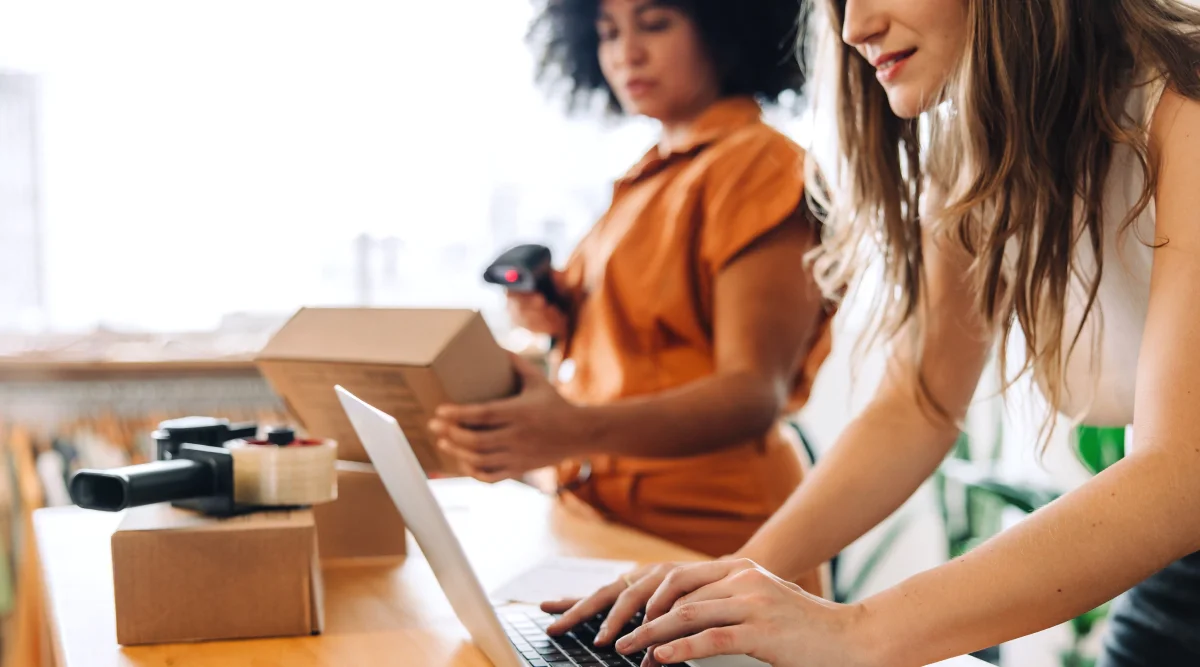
507	438
735	607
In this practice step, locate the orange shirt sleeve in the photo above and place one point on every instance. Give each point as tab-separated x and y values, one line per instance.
755	185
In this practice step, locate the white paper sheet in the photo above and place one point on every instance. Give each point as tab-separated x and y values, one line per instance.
561	578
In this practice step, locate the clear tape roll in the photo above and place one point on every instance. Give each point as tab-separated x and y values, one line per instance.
297	474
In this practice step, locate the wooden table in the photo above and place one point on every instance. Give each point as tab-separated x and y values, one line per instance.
390	613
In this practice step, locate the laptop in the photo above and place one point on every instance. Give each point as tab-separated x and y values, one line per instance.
510	635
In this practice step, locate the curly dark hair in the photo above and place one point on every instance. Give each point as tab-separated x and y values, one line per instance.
756	45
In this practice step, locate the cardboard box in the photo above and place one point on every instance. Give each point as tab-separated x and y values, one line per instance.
179	576
363	522
405	362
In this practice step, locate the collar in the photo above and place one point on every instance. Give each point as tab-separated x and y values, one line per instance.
719	120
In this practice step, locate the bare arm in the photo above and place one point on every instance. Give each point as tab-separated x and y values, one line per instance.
1126	523
766	311
885	454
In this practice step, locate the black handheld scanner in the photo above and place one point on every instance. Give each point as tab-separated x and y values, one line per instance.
526	268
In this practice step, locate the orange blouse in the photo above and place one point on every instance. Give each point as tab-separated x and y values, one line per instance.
643	281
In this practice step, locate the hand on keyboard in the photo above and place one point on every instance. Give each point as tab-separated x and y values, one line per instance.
620	600
573	648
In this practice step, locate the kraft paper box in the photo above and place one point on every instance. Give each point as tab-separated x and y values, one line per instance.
403	361
179	576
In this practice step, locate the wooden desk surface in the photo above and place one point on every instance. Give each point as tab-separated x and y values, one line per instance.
375	614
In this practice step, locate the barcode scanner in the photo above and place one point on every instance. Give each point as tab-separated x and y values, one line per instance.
526	268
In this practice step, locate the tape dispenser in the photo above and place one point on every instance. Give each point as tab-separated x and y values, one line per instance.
220	469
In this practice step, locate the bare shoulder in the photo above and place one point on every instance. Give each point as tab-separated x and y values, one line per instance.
1175	126
1175	139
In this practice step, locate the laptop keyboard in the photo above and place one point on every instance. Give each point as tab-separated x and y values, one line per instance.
526	629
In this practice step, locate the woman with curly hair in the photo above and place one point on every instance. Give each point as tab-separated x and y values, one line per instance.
692	325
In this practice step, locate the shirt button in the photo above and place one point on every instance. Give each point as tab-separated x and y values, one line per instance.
566	371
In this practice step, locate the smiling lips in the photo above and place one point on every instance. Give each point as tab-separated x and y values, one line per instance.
889	65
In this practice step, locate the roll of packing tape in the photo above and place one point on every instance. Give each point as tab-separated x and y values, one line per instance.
300	473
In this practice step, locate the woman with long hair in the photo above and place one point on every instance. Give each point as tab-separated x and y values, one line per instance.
1027	166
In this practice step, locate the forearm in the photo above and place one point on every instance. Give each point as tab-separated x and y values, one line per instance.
704	416
877	464
1070	557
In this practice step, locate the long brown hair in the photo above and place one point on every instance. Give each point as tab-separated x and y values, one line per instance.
1019	145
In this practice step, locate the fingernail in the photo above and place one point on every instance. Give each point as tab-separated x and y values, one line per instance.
625	643
664	653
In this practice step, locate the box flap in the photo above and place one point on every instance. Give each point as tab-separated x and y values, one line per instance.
405	336
473	368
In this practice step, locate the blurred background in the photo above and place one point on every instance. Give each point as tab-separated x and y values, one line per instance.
176	178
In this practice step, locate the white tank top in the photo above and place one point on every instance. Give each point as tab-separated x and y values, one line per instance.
1100	374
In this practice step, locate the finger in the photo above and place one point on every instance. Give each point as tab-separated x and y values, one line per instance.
524	298
484	442
682	621
684	580
483	460
492	414
731	640
558	606
631	600
560	281
718	590
587	608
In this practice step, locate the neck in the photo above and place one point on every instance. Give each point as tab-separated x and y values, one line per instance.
676	129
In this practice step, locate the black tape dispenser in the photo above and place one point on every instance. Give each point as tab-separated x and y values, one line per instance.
526	268
217	468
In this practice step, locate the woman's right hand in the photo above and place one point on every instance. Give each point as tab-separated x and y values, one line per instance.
623	599
531	311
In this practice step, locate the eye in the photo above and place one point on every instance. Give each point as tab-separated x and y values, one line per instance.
606	31
655	21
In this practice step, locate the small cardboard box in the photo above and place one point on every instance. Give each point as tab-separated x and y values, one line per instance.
179	576
363	522
403	361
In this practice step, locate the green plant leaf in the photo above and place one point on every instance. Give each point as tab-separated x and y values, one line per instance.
1085	623
1097	448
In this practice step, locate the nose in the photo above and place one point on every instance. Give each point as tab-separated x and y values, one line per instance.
631	51
863	21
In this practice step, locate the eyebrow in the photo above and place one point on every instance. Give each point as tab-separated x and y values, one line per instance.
644	6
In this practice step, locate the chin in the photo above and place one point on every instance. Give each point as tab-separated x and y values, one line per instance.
642	108
910	100
906	103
